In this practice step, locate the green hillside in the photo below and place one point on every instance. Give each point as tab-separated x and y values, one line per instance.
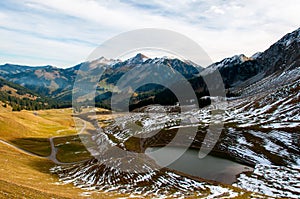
18	98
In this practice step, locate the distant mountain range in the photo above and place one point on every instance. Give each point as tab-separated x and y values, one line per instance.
238	72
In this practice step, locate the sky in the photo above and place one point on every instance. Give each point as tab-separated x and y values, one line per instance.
63	33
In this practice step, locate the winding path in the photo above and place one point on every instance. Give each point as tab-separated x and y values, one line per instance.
53	153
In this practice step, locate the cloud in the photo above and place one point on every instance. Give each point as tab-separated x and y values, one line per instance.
64	32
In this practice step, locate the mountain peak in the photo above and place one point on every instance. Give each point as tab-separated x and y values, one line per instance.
49	67
140	55
243	57
137	59
236	59
290	38
102	61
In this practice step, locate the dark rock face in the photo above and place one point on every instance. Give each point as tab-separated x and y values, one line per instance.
281	56
236	73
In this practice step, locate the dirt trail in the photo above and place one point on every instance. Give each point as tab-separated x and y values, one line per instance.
53	154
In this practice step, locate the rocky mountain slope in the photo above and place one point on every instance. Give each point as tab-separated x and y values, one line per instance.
240	71
45	80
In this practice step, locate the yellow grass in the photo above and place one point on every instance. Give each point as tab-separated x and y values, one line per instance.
29	177
44	124
26	176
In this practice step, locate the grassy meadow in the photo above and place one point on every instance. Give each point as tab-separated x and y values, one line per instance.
27	175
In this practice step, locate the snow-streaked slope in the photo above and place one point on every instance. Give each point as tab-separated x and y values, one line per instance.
260	129
272	180
164	183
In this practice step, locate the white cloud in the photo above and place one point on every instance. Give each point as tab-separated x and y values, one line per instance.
64	32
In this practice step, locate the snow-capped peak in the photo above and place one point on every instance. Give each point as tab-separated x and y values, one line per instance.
103	61
236	59
138	59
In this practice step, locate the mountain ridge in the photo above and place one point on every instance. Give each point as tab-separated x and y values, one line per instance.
238	72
